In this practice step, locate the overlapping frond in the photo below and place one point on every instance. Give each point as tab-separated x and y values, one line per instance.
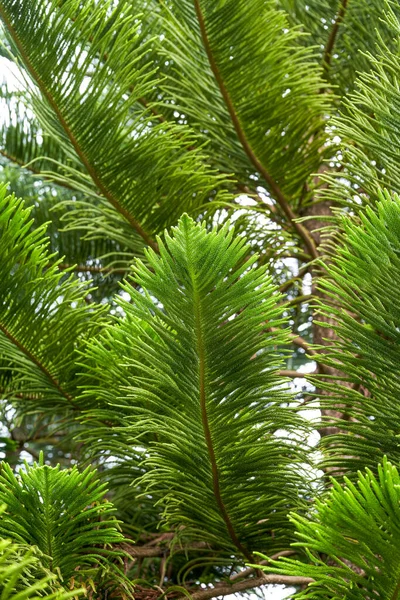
358	528
362	285
191	372
370	125
23	141
143	169
63	513
18	576
44	317
342	31
258	97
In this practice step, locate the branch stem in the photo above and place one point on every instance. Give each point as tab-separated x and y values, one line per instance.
327	59
278	194
73	140
248	584
40	365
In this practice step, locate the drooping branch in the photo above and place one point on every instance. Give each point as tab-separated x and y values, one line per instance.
277	192
96	178
36	172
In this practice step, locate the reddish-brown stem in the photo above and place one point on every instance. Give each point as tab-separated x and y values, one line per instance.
73	140
333	35
277	192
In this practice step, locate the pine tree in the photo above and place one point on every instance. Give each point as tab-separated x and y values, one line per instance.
199	204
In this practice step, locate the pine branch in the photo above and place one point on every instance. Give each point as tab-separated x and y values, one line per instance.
300	300
288	284
74	142
40	365
279	196
33	171
293	374
206	425
251	570
91	269
153	551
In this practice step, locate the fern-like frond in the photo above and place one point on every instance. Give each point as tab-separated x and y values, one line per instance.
84	64
342	32
370	126
43	314
362	285
23	141
64	514
22	575
261	85
357	527
191	372
18	576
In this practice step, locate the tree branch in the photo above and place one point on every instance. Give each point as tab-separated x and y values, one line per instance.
74	142
248	584
40	365
91	269
280	198
326	61
288	284
299	300
251	570
29	168
206	427
149	551
293	374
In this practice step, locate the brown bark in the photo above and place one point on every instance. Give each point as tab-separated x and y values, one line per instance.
321	213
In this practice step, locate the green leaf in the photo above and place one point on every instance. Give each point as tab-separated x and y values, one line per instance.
44	318
358	528
189	376
64	514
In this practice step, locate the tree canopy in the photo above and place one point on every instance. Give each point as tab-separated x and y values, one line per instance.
199	308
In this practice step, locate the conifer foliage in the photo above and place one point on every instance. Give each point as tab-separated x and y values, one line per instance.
198	204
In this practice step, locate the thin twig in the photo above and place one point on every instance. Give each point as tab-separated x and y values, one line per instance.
294	374
35	172
300	299
248	584
327	58
288	284
251	570
91	269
